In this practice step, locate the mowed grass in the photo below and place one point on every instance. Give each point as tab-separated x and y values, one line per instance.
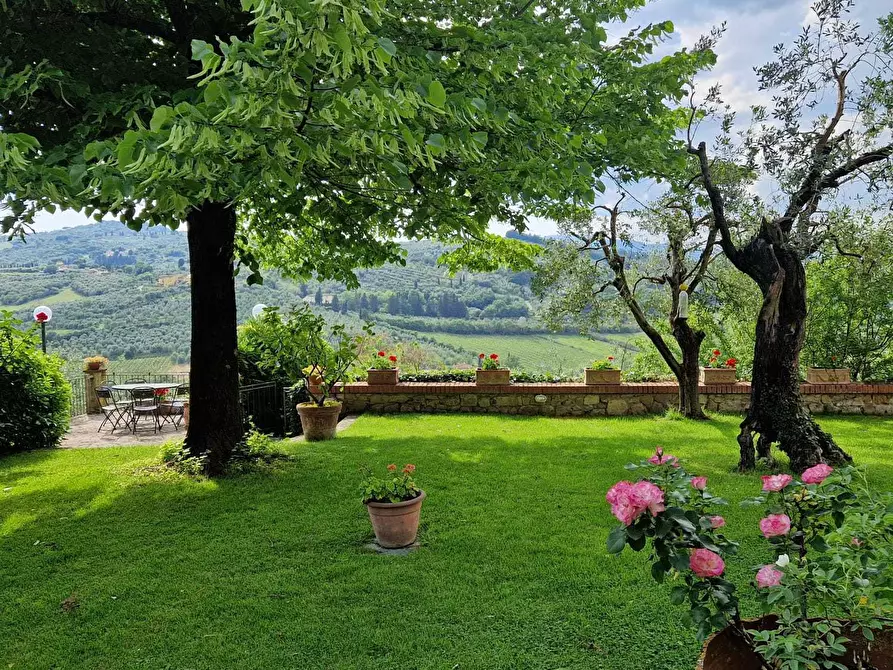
269	570
568	354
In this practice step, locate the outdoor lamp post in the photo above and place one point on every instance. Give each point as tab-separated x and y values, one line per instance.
258	309
43	315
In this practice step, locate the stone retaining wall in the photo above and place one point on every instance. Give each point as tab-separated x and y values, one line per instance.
581	400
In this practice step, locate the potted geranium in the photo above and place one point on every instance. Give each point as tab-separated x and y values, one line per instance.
831	373
825	590
94	363
383	370
313	354
602	372
490	373
719	371
394	503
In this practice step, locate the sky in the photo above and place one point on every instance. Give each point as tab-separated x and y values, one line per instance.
753	28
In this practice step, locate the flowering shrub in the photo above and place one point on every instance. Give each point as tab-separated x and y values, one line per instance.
832	571
392	488
490	362
603	364
383	362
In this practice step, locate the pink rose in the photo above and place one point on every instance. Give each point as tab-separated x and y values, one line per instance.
775	525
660	458
768	576
699	483
649	497
717	522
816	474
776	482
705	563
628	501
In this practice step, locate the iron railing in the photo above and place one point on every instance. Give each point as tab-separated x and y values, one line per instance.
148	377
260	407
78	396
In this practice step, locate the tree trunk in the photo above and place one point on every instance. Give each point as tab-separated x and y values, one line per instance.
215	422
776	410
688	373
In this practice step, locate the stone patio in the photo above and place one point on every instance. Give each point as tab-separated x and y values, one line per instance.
83	434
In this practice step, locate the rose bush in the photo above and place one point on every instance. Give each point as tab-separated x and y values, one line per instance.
832	571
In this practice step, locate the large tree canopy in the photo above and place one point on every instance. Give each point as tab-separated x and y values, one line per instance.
330	128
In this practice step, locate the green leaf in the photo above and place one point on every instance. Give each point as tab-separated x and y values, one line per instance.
201	49
480	138
616	540
678	594
435	140
125	148
436	94
342	39
213	91
387	46
159	117
479	104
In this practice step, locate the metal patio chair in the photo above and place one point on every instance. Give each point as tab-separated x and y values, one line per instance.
174	409
145	403
113	411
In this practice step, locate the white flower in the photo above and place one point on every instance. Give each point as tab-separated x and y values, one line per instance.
783	560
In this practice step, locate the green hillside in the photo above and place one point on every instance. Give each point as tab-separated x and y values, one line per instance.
125	295
563	354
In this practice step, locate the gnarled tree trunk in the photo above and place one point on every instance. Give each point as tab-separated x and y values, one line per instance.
215	422
777	411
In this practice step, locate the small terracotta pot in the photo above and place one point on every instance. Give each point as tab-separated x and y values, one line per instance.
594	377
396	524
502	376
711	376
726	650
828	376
319	423
94	366
388	377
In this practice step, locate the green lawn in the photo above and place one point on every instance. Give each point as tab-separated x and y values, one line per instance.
269	570
568	354
65	295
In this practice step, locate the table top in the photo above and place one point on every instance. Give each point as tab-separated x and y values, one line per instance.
152	385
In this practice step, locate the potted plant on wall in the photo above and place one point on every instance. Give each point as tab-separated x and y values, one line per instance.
94	363
490	373
602	372
310	353
383	370
825	590
394	503
830	373
719	371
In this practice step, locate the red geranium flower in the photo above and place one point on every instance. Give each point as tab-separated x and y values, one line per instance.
409	468
381	353
493	357
732	362
392	358
716	352
480	355
610	358
392	468
41	317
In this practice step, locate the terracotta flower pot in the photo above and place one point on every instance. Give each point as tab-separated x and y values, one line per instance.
710	376
388	377
594	377
828	376
319	423
726	650
502	376
94	366
396	524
